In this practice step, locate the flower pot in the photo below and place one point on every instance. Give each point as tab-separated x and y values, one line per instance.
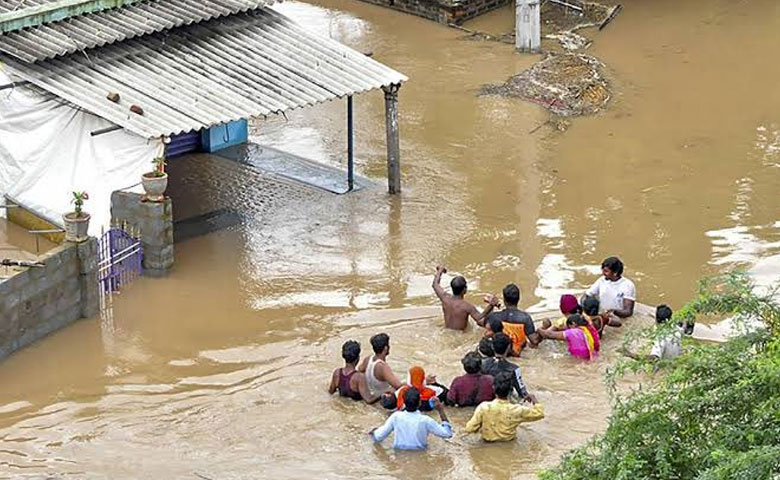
76	228
154	186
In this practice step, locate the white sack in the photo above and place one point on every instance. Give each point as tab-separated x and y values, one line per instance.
47	152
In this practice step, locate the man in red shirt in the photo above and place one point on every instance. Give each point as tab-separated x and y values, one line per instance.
473	388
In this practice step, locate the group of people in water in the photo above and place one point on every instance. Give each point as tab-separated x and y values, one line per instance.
492	382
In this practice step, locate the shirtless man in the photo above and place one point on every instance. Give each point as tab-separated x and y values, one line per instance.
456	309
379	376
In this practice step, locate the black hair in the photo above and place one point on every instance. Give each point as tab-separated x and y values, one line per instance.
614	264
350	351
591	306
379	342
575	320
388	401
502	384
495	325
486	347
472	362
412	399
501	343
511	294
458	285
662	313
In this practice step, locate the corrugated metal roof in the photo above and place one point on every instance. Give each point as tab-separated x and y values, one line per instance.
192	77
102	28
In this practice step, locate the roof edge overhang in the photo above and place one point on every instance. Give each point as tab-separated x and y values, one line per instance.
55	77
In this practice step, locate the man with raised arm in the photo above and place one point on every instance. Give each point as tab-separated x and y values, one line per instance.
456	309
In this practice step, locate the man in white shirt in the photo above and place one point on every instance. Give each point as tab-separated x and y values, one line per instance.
669	346
412	427
666	347
616	294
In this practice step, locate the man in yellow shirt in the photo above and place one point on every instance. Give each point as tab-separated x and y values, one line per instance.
497	420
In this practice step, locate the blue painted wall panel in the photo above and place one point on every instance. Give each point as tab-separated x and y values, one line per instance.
225	135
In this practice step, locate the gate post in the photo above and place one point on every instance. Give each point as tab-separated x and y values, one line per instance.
154	222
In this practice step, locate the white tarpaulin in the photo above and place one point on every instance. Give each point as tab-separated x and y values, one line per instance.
47	152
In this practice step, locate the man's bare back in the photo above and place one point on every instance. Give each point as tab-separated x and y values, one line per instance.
456	309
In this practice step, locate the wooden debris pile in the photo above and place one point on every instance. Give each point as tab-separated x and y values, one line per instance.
568	84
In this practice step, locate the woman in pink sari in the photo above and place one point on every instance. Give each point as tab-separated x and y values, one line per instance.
580	337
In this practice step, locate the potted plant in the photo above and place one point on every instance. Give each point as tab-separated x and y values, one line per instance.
77	221
156	181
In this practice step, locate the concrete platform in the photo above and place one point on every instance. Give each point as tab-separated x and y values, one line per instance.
292	167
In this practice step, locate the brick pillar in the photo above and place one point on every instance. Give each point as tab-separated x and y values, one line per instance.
154	222
88	277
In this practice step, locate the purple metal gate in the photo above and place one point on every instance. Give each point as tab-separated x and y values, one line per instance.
120	255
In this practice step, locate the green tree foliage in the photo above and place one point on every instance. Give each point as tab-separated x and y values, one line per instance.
712	414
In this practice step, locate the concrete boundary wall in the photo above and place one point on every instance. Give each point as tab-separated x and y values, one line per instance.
38	301
443	11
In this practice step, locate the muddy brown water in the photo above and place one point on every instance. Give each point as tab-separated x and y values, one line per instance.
219	370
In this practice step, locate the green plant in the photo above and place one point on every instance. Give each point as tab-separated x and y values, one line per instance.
713	413
78	201
159	167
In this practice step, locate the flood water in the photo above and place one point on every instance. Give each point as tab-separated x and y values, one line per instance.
219	371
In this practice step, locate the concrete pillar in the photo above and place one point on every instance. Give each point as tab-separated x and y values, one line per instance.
154	223
528	32
393	145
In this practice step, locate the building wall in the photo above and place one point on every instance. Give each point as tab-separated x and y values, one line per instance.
38	301
443	11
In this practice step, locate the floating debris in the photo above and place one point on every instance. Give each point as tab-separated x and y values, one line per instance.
558	19
487	37
568	84
570	40
476	35
560	23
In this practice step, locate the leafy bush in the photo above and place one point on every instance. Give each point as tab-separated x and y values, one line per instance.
713	414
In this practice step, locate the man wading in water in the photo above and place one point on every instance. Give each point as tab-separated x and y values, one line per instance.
616	294
516	323
379	376
347	380
456	309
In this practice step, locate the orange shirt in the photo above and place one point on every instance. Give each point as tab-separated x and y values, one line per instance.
515	331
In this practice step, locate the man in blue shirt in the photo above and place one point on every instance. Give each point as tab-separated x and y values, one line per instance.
412	427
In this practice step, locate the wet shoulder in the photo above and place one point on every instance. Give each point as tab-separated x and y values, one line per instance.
516	316
489	366
506	365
